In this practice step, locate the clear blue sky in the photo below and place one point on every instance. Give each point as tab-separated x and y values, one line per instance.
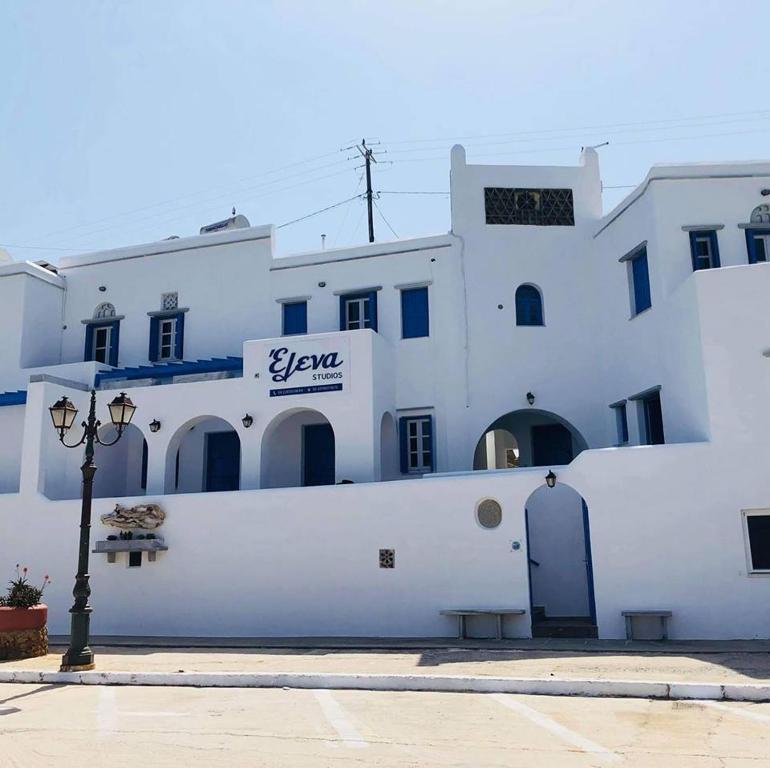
125	121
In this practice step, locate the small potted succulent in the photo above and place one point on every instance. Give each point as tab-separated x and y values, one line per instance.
23	618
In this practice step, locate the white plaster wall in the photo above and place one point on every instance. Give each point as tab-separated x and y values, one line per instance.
282	450
289	562
557	543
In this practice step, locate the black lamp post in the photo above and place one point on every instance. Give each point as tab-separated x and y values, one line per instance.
79	656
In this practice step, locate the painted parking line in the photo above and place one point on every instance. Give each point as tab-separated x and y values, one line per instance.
339	720
564	733
748	714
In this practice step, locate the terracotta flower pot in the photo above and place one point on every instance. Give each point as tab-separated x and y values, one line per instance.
20	619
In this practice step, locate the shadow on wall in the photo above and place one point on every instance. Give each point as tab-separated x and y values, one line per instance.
298	449
204	455
528	438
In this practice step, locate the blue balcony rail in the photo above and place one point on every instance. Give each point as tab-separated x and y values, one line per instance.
19	397
169	370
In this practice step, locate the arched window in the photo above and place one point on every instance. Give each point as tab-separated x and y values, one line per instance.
529	306
761	214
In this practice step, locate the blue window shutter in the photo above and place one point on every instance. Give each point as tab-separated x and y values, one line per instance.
88	353
179	340
154	340
750	246
414	313
529	306
402	444
295	318
641	278
427	425
373	309
114	343
343	306
693	252
715	248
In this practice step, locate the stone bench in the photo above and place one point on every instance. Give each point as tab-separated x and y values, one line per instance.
463	613
664	616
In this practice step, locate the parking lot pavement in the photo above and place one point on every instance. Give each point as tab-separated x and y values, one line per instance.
43	726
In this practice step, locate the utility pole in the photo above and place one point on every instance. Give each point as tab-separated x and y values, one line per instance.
368	154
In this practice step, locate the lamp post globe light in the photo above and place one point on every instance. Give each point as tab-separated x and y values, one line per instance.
79	655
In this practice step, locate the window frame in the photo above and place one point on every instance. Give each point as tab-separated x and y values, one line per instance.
621	421
751	571
751	247
633	262
419	420
172	338
421	327
294	305
111	347
644	417
157	319
520	306
361	298
709	236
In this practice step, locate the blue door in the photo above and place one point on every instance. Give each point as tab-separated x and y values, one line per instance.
223	461
318	455
589	563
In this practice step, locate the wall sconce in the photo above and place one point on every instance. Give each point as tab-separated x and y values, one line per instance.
530	398
247	420
154	426
550	479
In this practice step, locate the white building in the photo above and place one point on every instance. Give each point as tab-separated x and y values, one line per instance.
627	353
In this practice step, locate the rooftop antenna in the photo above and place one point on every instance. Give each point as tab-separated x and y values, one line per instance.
595	146
233	211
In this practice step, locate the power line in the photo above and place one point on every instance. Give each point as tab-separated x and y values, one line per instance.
315	213
604	126
408	192
379	210
37	247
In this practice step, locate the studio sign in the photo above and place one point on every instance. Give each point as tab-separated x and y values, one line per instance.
306	371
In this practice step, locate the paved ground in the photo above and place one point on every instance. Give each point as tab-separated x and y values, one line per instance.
42	726
668	665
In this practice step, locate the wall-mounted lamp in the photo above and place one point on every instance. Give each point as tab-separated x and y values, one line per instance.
247	420
530	398
550	478
322	284
154	426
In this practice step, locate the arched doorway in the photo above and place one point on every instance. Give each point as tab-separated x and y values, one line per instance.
204	455
389	463
121	468
560	565
298	450
527	438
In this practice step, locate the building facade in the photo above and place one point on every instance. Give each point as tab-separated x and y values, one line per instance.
358	439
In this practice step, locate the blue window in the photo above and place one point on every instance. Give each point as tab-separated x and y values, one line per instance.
416	442
294	318
652	419
529	306
102	342
640	282
414	313
621	422
358	310
704	249
758	244
166	337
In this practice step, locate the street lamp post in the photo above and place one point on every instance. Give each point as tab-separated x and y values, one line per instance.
79	655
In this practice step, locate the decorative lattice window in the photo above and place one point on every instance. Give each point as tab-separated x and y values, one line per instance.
169	301
761	214
104	311
387	558
541	207
489	513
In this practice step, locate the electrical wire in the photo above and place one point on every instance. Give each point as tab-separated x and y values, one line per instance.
315	213
395	234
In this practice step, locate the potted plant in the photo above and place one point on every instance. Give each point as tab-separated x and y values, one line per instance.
23	631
